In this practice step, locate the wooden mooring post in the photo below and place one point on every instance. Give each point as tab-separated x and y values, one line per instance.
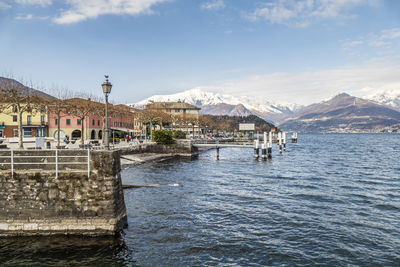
280	142
270	145
256	149
217	153
284	141
263	152
294	138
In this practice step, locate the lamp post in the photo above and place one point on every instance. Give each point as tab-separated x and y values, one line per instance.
106	90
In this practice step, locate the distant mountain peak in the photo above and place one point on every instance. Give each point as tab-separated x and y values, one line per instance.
24	89
342	95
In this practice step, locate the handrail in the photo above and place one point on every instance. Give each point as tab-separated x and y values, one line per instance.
56	157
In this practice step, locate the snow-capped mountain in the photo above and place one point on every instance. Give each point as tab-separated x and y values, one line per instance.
212	103
387	97
344	113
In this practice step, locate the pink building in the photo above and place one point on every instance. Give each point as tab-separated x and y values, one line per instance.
71	126
121	120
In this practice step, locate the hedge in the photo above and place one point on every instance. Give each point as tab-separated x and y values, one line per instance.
163	137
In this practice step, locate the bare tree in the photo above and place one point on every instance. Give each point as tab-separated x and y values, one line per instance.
15	98
206	123
82	108
60	107
153	118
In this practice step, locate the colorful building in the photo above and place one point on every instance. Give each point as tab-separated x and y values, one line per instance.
185	117
71	126
120	120
34	124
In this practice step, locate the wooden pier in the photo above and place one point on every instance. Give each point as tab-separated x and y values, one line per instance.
266	146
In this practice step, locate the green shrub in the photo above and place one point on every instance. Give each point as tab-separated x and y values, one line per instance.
116	140
163	137
179	134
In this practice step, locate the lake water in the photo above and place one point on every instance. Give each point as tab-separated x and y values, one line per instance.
330	200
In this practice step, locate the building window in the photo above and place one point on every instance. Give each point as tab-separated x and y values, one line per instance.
177	110
68	121
15	118
28	132
40	132
78	121
1	133
98	122
29	120
115	123
93	123
42	118
15	132
56	121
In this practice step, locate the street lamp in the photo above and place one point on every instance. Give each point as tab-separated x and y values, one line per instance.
106	90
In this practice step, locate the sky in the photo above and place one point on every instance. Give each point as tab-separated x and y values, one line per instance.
285	51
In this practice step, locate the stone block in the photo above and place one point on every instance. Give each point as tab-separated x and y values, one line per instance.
30	226
3	226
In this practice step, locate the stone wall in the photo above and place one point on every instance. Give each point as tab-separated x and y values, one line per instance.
38	203
180	148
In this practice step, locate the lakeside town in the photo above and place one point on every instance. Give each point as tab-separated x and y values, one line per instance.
33	119
199	133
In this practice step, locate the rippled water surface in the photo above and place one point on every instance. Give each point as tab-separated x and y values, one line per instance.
330	200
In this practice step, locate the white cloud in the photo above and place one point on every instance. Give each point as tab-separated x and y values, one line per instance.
390	34
4	6
35	2
24	17
383	39
309	87
89	9
301	13
213	5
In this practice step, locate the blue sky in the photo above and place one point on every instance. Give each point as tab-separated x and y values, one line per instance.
283	50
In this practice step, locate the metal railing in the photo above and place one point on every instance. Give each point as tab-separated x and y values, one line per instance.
15	160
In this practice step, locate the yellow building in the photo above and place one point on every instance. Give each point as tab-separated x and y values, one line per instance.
34	123
185	116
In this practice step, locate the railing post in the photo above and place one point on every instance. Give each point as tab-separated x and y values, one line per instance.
12	163
88	162
56	163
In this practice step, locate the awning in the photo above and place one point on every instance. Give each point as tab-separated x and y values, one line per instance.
122	129
33	126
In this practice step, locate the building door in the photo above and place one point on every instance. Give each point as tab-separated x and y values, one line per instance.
76	134
93	135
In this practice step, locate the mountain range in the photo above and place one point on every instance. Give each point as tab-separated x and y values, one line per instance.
223	104
342	113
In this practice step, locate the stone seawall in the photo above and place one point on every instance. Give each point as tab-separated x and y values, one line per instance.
38	203
180	148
